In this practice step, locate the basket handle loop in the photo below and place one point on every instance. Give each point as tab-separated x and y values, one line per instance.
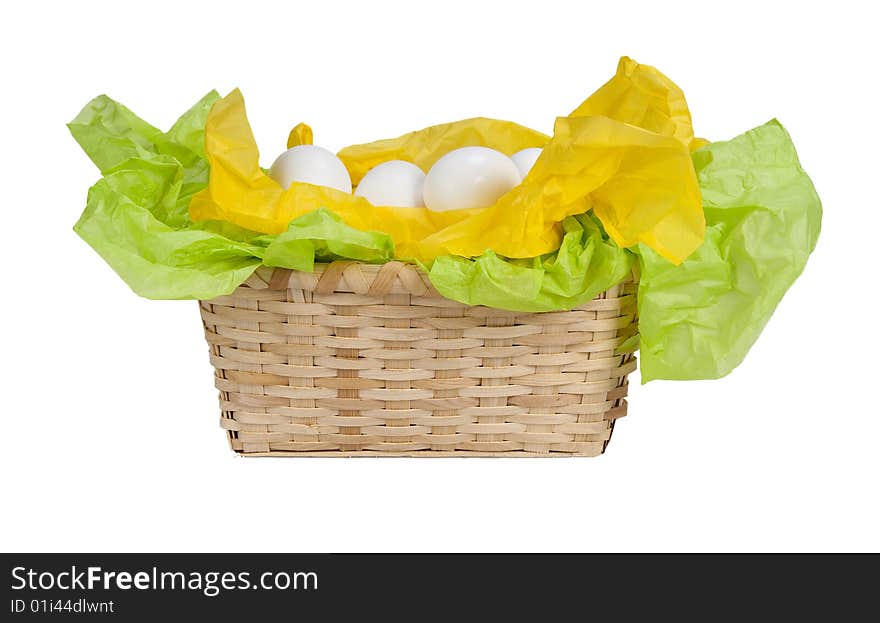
280	279
384	280
328	280
331	276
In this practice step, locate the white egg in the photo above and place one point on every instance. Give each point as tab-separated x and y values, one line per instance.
313	165
394	183
469	177
525	159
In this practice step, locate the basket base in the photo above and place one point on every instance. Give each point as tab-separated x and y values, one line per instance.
434	454
425	454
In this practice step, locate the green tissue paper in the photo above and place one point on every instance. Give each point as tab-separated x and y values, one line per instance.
699	319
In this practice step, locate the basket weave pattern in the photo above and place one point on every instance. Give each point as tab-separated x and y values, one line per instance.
366	360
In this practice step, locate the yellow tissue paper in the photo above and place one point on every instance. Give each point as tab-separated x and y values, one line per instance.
300	135
624	153
643	97
427	146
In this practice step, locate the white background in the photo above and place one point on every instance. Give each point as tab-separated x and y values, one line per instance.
110	438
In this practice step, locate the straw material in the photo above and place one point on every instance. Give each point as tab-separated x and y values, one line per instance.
369	360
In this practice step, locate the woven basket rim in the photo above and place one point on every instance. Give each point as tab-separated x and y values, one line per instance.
348	277
374	280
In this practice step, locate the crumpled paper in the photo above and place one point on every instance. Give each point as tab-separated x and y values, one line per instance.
643	98
639	181
763	216
323	236
586	264
136	216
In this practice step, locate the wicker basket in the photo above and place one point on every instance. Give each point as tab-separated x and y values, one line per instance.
369	360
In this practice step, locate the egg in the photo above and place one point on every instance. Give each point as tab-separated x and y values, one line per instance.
525	159
313	165
469	177
394	183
